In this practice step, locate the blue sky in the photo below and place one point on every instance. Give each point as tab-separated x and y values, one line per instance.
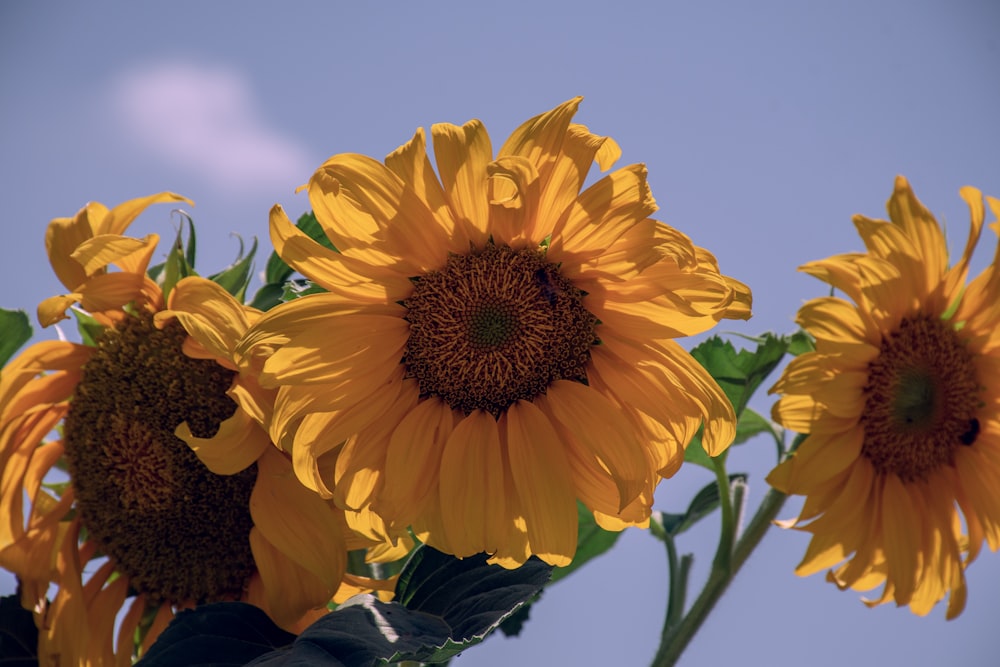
764	126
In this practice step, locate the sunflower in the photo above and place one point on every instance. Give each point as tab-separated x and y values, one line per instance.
141	527
493	344
900	400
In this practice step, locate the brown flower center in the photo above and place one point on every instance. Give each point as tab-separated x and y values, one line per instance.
921	400
496	326
178	531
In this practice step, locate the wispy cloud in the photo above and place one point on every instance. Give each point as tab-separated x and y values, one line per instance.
206	119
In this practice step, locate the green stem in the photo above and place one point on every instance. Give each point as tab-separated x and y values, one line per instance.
675	640
678	587
723	554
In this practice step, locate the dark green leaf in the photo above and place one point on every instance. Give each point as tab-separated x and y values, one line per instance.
740	373
268	296
513	624
18	634
15	331
443	605
224	633
704	503
235	277
591	541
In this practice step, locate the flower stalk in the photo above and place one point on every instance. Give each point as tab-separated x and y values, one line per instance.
732	553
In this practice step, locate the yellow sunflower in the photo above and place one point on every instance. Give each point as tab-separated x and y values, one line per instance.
493	343
141	527
900	400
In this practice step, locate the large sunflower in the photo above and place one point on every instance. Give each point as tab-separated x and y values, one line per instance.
494	344
900	400
166	532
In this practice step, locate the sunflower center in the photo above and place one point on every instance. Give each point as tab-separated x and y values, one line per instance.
921	400
496	326
178	531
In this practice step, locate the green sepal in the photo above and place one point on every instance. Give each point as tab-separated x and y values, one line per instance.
90	329
236	277
15	331
179	262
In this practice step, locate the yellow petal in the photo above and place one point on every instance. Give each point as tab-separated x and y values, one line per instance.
410	163
413	460
513	193
602	213
902	533
540	473
462	154
352	346
472	486
98	252
605	431
288	589
822	456
209	314
299	524
410	230
923	230
120	217
54	308
239	442
335	272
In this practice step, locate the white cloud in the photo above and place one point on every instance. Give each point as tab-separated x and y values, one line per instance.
205	119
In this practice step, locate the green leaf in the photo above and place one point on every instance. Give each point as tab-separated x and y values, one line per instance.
591	542
15	331
695	453
235	277
18	634
443	605
800	342
751	423
223	633
704	503
513	624
740	373
268	296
